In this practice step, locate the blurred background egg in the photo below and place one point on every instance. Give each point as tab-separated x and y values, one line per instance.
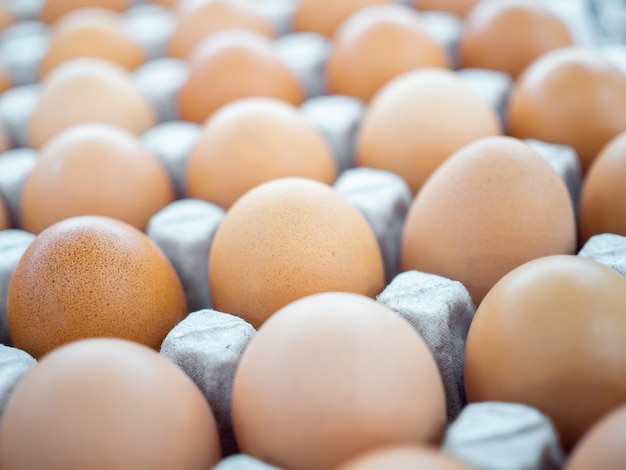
54	9
571	96
552	335
92	277
5	80
5	221
89	90
106	403
361	63
418	120
508	35
403	457
286	239
494	205
456	7
246	55
352	373
91	32
251	141
6	16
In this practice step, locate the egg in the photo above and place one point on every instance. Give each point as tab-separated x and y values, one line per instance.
552	335
403	457
509	35
5	220
107	403
286	239
360	62
351	373
571	96
603	446
456	7
325	16
206	17
6	83
88	90
6	16
248	56
91	32
251	141
92	277
418	120
602	203
494	205
52	10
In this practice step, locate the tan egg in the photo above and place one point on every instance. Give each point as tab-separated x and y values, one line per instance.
95	169
166	3
325	16
250	58
106	403
286	239
5	141
89	91
570	96
508	35
5	81
251	141
418	120
90	277
5	221
602	206
91	32
456	7
552	334
6	16
403	457
491	207
54	9
360	62
603	446
206	17
352	373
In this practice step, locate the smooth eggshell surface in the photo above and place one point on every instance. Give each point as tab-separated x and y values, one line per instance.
403	458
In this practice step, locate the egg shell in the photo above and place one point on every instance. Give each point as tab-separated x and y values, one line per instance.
550	335
403	458
6	16
456	7
14	365
5	80
350	388
53	10
608	249
5	220
92	404
93	276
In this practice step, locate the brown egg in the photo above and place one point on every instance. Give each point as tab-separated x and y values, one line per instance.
95	169
107	403
286	239
5	141
456	7
92	32
360	62
206	17
403	458
602	202
5	81
91	277
5	221
325	16
85	91
6	16
552	334
491	207
604	446
508	35
570	96
54	9
166	3
251	141
250	58
418	120
351	373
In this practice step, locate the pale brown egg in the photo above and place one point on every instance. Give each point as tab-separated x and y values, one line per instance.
404	457
95	169
602	206
237	64
361	63
603	446
491	207
90	277
5	81
6	16
107	403
207	17
286	239
570	96
89	91
251	141
552	334
353	375
5	221
456	7
91	32
54	9
508	35
325	16
419	120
